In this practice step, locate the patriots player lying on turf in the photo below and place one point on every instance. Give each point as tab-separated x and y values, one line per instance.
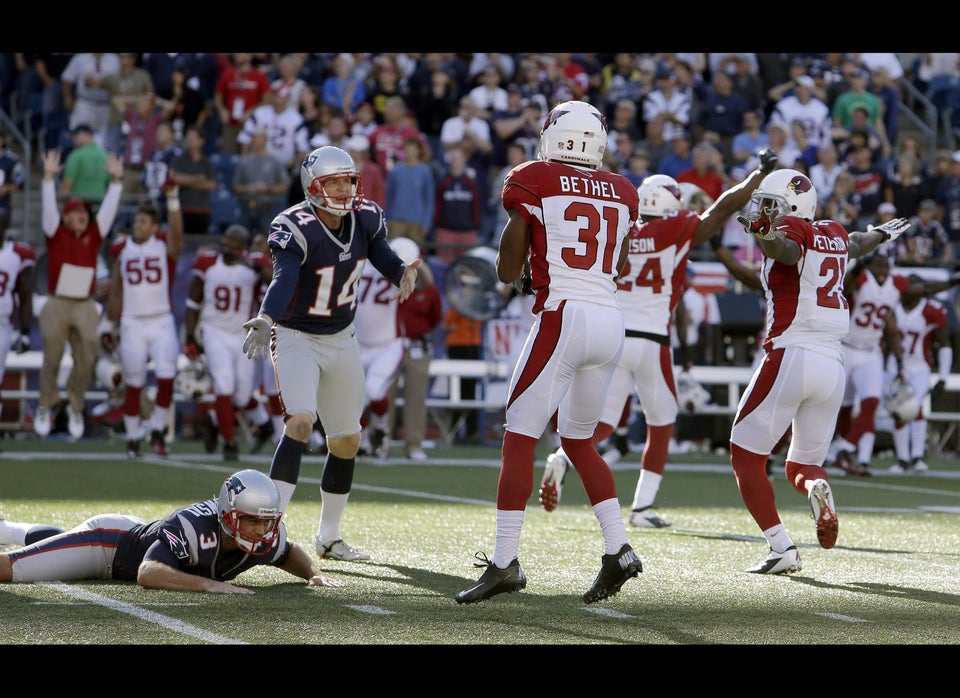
197	548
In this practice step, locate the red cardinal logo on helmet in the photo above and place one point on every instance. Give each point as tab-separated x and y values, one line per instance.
800	184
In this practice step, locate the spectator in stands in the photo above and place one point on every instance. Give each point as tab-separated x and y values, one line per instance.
843	205
906	186
885	86
778	134
721	112
858	97
141	124
365	122
515	155
17	263
745	80
654	143
869	180
240	89
418	317
342	89
707	171
84	175
805	107
623	79
411	194
388	140
287	71
926	243
260	183
824	175
383	84
195	175
139	317
456	221
519	123
617	156
464	340
472	134
74	238
189	108
948	201
681	157
489	95
433	103
374	183
84	95
124	88
624	120
44	71
159	167
750	140
666	101
12	176
334	133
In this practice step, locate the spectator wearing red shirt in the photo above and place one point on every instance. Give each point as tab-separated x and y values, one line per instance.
387	139
240	89
706	170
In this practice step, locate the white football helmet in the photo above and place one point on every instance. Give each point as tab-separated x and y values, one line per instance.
693	198
109	372
406	249
659	195
691	396
784	193
323	166
250	493
901	401
574	132
193	379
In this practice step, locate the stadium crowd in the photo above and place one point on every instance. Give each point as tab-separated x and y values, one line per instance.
435	133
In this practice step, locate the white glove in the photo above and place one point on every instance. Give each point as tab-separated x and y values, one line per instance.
257	343
892	229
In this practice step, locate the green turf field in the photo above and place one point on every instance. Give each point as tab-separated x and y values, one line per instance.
892	578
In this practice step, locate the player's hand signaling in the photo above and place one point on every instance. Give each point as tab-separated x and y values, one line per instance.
892	229
257	343
408	282
768	160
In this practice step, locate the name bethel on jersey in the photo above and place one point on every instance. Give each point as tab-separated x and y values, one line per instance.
324	302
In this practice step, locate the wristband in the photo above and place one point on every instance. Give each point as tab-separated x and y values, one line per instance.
106	326
192	304
944	362
173	204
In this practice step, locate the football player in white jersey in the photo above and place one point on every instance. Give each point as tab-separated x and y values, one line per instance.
144	264
568	225
876	292
381	344
17	262
923	325
220	300
800	381
649	288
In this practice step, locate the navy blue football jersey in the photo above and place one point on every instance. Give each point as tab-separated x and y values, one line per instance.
189	540
328	265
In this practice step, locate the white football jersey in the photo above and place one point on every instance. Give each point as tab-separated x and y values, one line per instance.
872	305
14	258
917	327
376	318
228	292
146	271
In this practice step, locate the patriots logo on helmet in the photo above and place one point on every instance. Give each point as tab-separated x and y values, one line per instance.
800	184
176	544
235	486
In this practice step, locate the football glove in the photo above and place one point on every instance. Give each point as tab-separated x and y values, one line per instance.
192	349
524	282
892	229
257	343
761	226
768	160
21	341
938	388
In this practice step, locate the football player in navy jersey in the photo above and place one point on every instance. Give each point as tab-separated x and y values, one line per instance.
319	248
197	548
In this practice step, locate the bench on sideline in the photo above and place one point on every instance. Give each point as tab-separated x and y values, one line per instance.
448	373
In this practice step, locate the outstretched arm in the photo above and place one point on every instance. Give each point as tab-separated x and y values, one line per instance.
733	199
300	564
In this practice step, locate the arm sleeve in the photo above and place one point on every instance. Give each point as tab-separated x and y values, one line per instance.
108	209
50	215
286	270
